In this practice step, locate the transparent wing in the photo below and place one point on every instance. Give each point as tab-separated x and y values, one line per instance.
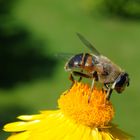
88	44
64	56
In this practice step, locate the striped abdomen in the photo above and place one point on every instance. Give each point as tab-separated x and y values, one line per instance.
84	61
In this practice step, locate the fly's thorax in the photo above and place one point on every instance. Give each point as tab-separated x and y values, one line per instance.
110	63
107	70
110	76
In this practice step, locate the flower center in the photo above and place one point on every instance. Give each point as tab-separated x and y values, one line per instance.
98	112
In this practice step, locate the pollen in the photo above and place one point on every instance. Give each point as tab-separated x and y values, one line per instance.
98	112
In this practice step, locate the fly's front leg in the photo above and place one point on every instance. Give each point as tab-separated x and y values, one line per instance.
105	88
109	91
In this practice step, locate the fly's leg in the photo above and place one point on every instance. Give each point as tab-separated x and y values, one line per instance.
80	79
92	85
109	91
95	78
71	78
86	76
105	88
91	88
75	73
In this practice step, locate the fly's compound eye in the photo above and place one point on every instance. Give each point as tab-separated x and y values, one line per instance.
121	82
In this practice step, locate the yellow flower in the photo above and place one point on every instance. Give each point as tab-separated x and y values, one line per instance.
76	119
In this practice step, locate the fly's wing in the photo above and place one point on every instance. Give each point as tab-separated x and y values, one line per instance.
64	56
88	44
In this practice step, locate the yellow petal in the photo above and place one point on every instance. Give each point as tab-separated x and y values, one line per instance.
29	117
106	135
19	126
96	134
19	136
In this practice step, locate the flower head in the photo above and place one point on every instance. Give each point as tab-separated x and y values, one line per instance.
96	113
76	119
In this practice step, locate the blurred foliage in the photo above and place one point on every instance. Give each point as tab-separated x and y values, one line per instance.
123	8
11	112
129	9
6	7
22	56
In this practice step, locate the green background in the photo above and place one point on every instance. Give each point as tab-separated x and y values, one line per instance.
55	24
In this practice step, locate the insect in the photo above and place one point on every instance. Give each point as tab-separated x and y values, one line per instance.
98	68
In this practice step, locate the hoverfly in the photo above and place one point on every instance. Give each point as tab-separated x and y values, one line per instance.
97	67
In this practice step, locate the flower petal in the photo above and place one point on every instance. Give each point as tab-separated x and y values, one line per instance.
19	136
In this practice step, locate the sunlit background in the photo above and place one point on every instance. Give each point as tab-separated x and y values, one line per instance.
32	32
